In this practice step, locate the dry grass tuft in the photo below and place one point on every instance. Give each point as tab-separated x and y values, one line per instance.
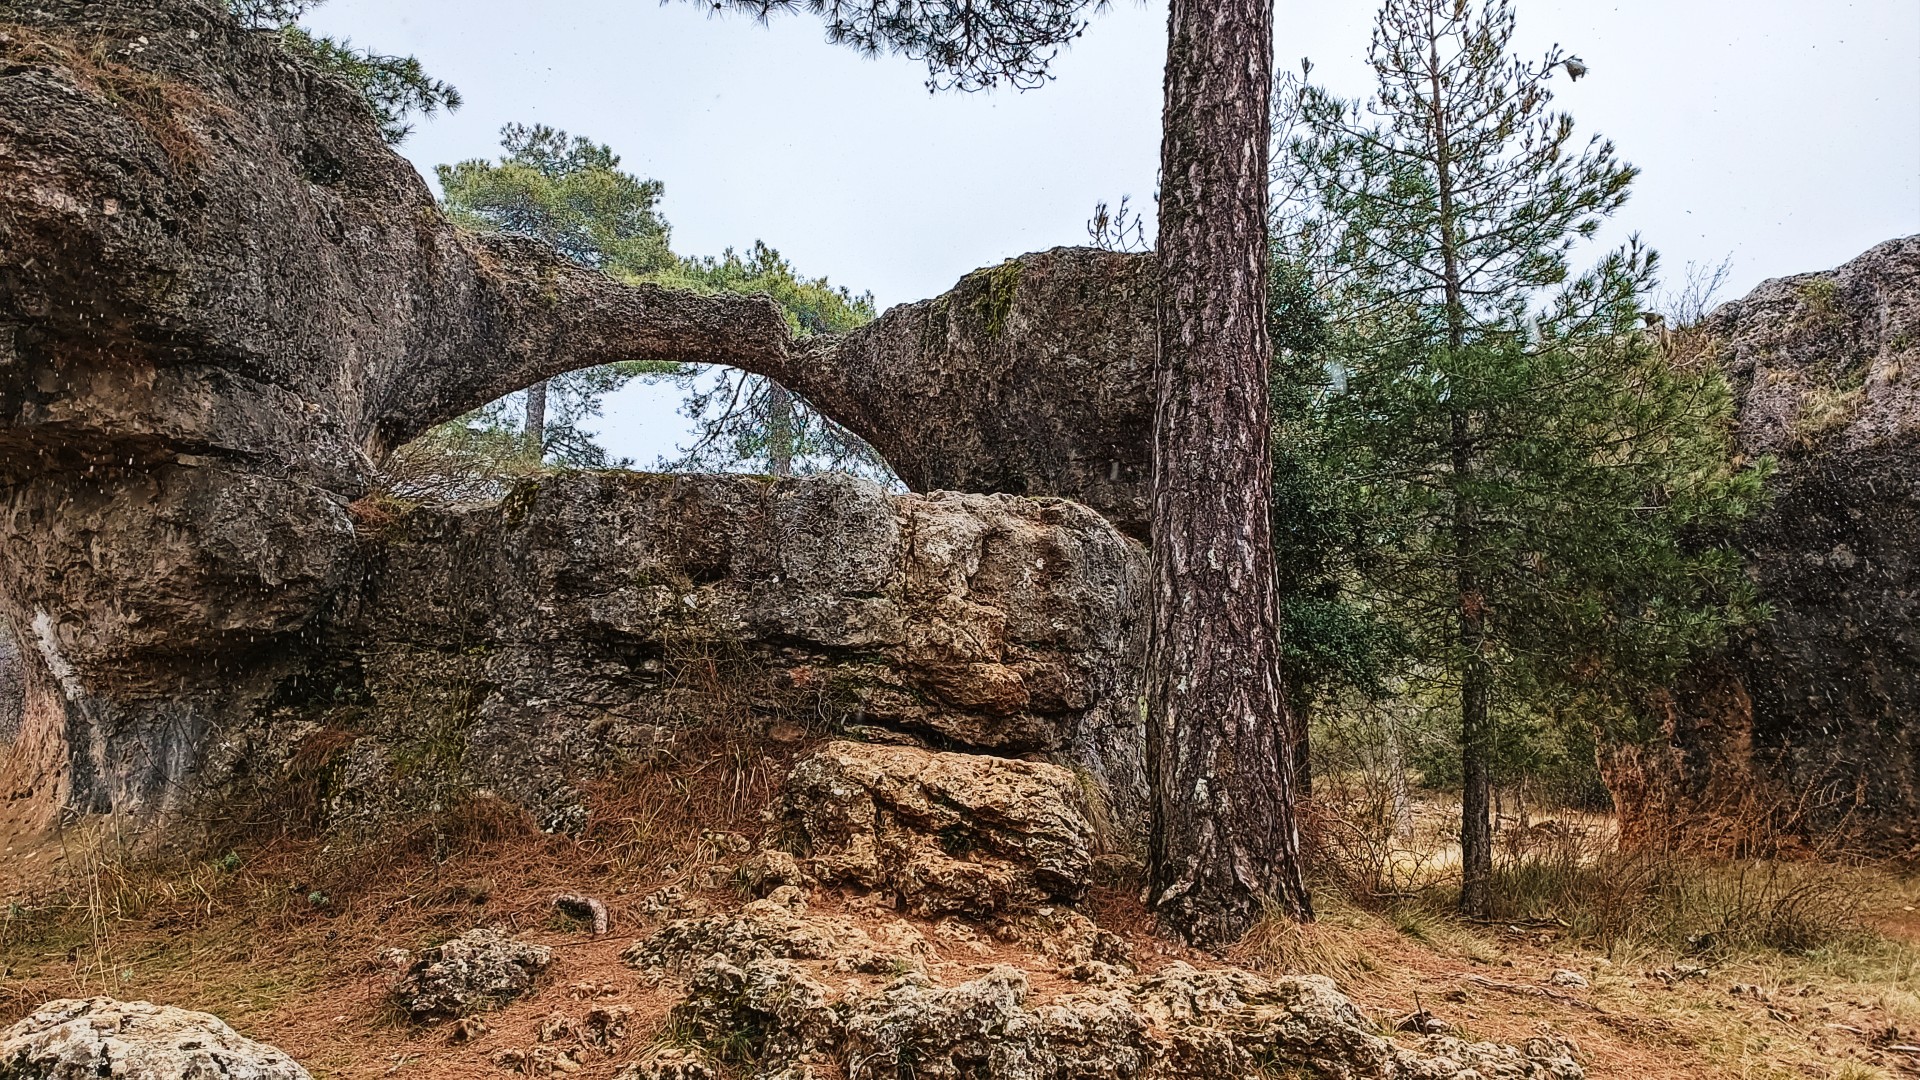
164	107
1279	945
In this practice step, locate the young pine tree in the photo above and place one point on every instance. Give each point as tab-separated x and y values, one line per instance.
1544	491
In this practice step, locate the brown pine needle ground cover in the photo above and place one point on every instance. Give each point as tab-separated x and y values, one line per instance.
283	939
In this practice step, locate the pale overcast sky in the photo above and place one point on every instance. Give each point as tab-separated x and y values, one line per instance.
1784	134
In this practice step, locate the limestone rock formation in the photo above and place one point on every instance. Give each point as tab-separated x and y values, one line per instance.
785	1014
940	832
777	928
134	1040
1822	703
479	970
589	619
223	298
1034	377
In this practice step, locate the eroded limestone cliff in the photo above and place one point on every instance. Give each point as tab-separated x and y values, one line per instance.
1818	709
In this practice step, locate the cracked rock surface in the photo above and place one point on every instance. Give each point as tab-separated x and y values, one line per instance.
1821	704
783	1012
939	832
479	970
134	1040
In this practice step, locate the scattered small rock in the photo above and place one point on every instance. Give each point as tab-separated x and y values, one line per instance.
606	1025
769	869
1567	977
671	1063
776	928
479	970
588	909
554	1027
1422	1022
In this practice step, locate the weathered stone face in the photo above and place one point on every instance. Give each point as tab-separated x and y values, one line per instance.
941	833
1034	377
479	970
1826	695
525	646
135	1040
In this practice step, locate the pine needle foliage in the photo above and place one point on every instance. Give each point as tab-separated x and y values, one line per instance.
395	88
1546	497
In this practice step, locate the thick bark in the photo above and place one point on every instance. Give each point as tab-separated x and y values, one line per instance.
1224	840
536	428
779	430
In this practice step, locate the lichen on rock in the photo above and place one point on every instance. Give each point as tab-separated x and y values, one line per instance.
783	1016
479	970
941	832
1814	709
134	1040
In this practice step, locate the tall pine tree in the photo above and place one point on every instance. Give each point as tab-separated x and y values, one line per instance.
1224	846
1544	489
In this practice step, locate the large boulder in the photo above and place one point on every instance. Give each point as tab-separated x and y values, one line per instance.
1817	711
134	1040
941	833
1034	377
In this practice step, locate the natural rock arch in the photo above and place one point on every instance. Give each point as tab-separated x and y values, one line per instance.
225	297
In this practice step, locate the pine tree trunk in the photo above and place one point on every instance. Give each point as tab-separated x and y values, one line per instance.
1224	841
1476	677
1299	705
536	429
1476	687
1397	788
779	430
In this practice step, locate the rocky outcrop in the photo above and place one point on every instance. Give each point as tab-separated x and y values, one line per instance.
1818	709
941	833
785	1011
777	928
223	298
1034	377
479	970
588	620
134	1040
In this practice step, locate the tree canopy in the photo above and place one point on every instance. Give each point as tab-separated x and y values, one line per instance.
571	193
